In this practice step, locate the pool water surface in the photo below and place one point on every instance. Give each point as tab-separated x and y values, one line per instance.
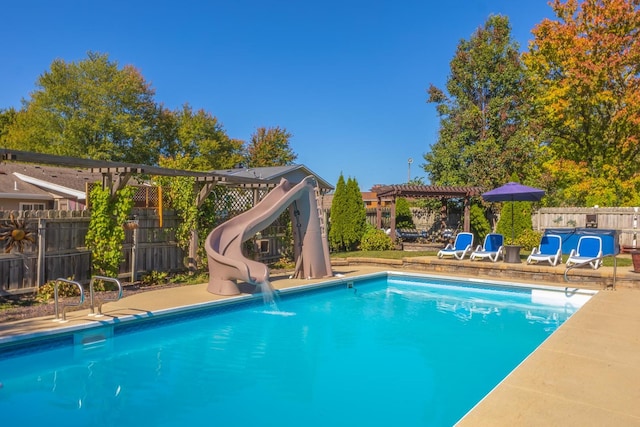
382	351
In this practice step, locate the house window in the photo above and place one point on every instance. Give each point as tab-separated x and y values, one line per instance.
32	206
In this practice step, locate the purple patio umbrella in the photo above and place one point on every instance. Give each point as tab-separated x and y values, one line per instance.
513	192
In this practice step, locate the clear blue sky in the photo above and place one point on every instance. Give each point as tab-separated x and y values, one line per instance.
347	78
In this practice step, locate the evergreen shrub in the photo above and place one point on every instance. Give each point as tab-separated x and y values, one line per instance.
376	240
480	226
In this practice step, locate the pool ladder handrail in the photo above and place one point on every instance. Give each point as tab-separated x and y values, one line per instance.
600	258
64	306
92	293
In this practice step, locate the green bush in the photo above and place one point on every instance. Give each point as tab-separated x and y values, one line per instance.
46	292
404	217
528	239
480	226
284	263
515	218
154	278
375	240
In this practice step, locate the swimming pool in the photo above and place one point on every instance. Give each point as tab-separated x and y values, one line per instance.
380	350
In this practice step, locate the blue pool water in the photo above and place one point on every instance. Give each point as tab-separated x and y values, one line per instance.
389	351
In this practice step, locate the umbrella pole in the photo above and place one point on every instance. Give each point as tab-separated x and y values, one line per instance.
513	232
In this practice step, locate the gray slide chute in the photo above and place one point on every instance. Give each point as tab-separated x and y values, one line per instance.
227	262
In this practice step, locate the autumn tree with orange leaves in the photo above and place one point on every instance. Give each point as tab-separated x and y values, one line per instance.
585	70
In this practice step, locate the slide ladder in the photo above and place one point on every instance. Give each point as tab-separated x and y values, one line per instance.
323	230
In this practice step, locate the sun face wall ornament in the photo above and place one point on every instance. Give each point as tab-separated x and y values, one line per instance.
15	234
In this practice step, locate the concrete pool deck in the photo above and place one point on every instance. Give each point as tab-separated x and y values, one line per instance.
586	374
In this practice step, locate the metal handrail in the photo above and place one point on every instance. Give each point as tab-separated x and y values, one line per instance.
64	306
600	258
91	293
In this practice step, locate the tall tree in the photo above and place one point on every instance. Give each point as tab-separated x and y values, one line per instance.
7	118
92	108
483	133
356	218
348	216
197	141
338	215
585	67
270	147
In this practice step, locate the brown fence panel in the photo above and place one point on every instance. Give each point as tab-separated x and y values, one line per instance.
17	272
66	256
73	265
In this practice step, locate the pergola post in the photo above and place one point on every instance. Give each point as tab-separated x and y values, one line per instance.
393	219
467	214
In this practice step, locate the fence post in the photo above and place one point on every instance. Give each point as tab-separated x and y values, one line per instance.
134	256
42	227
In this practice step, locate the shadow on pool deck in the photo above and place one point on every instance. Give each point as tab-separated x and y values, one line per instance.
586	374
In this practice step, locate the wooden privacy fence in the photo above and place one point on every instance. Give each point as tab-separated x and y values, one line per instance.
60	249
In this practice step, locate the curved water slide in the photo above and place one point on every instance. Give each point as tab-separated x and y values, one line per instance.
227	263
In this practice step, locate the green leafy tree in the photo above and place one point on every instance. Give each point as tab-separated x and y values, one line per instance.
89	109
195	141
7	118
404	218
585	71
338	215
483	133
348	215
199	142
270	147
356	219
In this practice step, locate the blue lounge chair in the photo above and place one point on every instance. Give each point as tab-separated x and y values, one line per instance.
588	251
492	248
550	249
460	247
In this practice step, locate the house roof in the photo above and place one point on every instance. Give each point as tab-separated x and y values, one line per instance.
239	177
66	181
70	176
368	196
274	173
108	167
12	187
